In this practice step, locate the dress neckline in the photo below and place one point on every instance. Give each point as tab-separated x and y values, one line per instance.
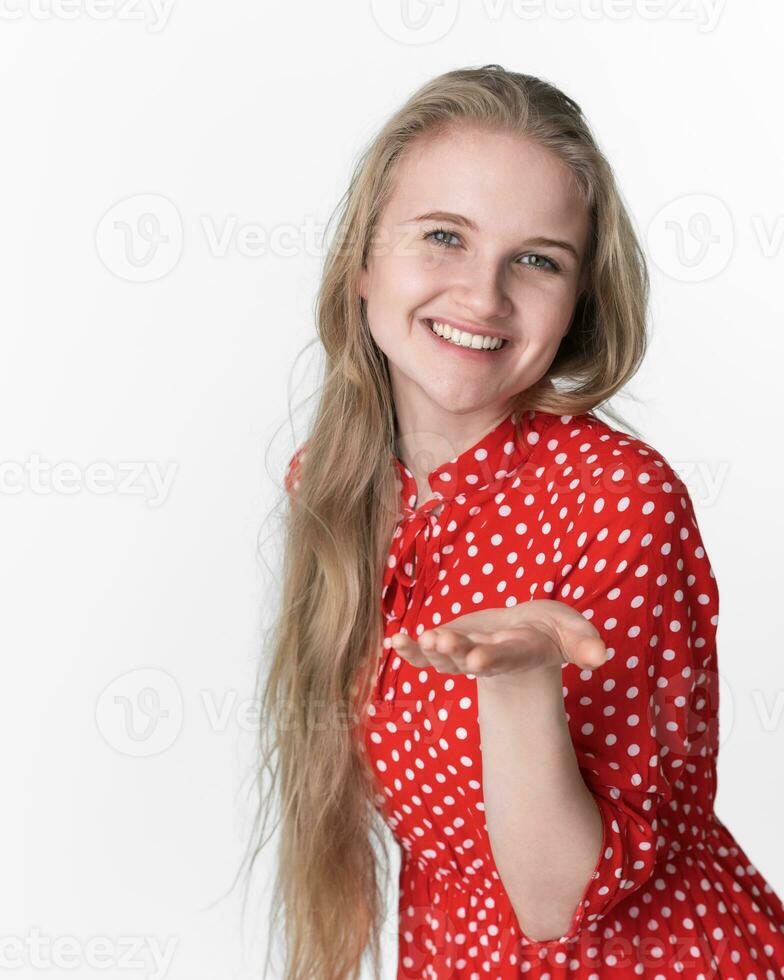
496	453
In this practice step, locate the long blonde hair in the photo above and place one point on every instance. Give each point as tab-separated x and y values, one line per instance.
328	630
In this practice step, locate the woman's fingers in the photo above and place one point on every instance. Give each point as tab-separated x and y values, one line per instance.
477	636
484	653
408	648
587	651
453	652
424	654
555	635
443	649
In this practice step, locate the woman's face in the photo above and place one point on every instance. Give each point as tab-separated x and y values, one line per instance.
481	261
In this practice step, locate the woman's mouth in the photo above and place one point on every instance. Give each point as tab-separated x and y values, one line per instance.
462	341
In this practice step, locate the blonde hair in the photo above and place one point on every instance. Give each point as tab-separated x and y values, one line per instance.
328	631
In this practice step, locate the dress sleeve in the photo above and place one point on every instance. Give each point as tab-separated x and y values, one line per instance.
293	470
644	580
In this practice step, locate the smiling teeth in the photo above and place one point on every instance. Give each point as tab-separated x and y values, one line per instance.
462	338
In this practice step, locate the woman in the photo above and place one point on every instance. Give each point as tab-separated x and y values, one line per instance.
497	633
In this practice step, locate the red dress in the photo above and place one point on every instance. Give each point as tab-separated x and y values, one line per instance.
566	508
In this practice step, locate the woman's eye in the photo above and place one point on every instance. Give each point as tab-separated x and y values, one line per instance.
432	236
551	266
438	241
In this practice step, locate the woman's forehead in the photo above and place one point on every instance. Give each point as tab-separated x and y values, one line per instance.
505	185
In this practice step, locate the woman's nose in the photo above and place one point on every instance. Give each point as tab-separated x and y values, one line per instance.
482	291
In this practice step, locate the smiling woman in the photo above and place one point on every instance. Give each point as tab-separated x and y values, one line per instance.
509	264
512	597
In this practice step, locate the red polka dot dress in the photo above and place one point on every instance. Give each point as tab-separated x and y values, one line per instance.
566	508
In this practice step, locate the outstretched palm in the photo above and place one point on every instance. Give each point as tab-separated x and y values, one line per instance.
539	633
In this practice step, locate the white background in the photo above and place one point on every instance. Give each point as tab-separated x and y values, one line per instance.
124	818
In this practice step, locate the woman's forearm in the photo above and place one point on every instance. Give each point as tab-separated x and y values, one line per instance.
545	828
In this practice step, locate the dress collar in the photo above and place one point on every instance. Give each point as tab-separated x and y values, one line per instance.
496	453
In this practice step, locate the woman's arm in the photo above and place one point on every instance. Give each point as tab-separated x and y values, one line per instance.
643	724
545	828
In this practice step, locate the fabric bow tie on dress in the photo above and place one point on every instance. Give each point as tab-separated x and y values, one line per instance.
408	559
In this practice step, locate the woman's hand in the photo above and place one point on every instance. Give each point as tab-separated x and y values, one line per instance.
539	633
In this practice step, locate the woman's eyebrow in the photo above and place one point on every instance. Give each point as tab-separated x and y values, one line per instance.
459	219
